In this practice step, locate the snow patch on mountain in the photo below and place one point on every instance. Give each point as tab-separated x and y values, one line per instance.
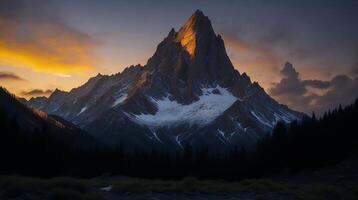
177	140
213	102
119	99
221	136
280	117
156	137
261	119
221	133
82	110
241	126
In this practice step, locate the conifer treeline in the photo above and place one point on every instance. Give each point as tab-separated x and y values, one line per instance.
305	145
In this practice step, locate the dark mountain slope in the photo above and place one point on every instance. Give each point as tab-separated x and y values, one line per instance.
34	142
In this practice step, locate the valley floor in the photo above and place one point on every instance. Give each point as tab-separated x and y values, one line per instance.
334	182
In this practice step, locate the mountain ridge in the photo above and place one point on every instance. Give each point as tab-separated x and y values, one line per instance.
188	93
33	121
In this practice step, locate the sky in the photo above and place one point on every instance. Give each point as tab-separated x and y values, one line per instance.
303	53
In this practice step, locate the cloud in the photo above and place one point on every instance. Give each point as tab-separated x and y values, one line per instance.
36	92
33	36
354	71
313	95
283	35
63	75
289	72
290	84
343	90
257	60
10	76
317	84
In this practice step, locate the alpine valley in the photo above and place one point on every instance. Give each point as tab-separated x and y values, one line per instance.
188	94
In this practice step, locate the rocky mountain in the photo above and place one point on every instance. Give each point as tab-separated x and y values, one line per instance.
188	94
35	122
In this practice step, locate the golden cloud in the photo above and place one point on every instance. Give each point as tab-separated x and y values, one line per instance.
47	46
10	76
36	93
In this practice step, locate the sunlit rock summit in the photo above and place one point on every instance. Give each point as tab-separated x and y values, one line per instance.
188	94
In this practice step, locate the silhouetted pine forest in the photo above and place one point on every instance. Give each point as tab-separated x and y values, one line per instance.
308	144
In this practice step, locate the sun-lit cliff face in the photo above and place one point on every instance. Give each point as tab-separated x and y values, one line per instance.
187	37
197	31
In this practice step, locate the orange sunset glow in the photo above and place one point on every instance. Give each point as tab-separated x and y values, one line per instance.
45	47
182	100
63	47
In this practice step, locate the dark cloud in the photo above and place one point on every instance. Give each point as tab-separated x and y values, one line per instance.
290	84
289	72
343	91
10	76
317	36
354	70
36	92
317	84
296	93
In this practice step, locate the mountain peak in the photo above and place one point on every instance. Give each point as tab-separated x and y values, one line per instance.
197	27
57	92
198	14
195	54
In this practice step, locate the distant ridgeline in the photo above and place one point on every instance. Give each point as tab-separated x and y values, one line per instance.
40	145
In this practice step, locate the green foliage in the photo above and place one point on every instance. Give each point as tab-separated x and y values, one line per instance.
56	188
190	184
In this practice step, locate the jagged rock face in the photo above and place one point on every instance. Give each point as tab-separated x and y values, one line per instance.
190	58
188	93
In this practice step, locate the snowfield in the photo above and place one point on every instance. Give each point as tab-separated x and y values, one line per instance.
212	103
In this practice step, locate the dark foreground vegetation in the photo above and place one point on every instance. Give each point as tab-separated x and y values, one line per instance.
309	144
63	188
